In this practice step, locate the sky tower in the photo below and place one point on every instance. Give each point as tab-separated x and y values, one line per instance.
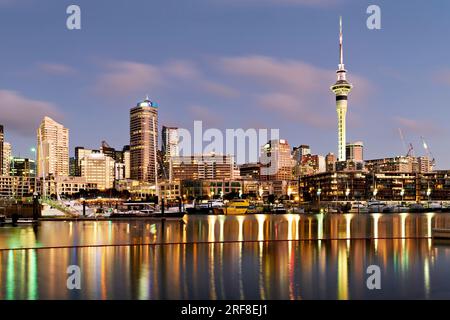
341	89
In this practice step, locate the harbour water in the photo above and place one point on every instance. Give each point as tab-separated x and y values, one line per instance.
229	257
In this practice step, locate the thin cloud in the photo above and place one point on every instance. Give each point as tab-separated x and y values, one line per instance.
56	68
442	77
22	115
205	114
296	90
418	127
124	78
127	77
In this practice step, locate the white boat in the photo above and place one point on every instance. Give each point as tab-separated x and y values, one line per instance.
434	205
359	207
400	208
375	206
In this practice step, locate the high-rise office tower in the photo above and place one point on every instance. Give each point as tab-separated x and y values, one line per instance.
7	154
341	89
2	138
144	141
52	149
276	161
169	142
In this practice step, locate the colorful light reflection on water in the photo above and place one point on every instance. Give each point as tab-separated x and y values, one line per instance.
229	257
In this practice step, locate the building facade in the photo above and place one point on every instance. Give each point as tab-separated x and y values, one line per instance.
52	149
7	154
355	151
276	161
170	141
2	141
144	141
98	168
207	166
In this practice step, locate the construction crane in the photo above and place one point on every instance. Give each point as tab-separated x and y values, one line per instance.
408	150
428	152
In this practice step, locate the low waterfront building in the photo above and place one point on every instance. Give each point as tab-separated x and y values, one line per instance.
383	186
211	188
16	186
137	189
207	166
250	171
64	186
170	190
393	164
98	168
334	186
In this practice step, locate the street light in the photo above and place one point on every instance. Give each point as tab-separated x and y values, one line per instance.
319	191
375	192
428	195
347	193
402	193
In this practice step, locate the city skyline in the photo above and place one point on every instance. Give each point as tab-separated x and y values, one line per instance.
260	84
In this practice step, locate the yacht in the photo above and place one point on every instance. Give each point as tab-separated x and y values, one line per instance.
206	207
279	209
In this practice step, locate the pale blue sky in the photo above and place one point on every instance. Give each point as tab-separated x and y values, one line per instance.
232	64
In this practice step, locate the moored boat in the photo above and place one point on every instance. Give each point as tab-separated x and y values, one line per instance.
236	207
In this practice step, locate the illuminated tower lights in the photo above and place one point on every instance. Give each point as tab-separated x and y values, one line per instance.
341	89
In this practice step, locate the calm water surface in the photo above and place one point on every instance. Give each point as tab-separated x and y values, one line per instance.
229	257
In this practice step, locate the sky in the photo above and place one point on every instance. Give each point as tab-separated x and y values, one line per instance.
232	64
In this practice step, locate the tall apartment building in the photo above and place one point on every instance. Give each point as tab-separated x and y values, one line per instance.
127	161
276	161
52	148
170	140
7	154
144	141
208	166
2	140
